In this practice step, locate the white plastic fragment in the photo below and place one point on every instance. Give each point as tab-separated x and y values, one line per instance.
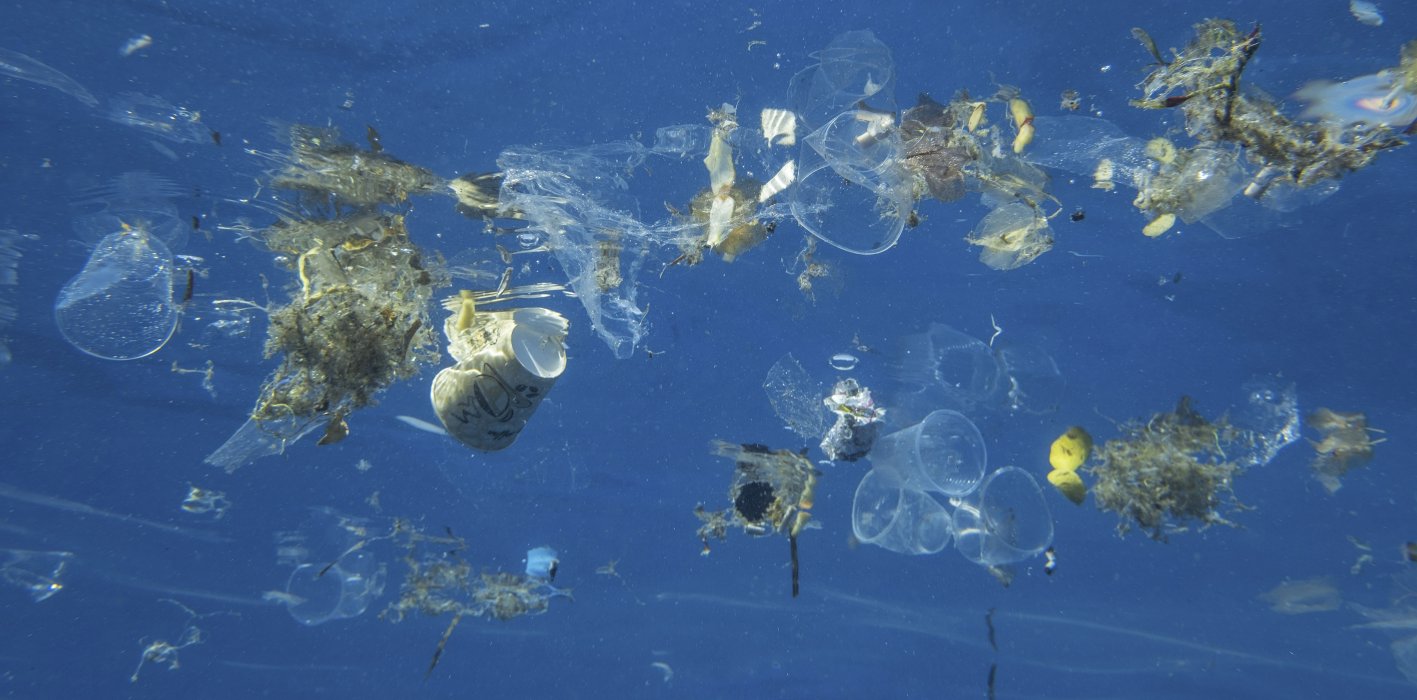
1366	12
720	216
134	45
779	127
719	162
779	182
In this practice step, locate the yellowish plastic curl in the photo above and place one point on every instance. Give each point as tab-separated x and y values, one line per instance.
1159	225
976	116
1022	114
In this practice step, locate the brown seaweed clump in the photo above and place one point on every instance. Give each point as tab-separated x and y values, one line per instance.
440	581
1167	472
1202	81
358	324
936	147
772	491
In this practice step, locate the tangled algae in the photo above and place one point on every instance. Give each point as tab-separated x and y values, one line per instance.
440	581
445	583
1202	80
359	323
321	166
1166	472
772	491
357	320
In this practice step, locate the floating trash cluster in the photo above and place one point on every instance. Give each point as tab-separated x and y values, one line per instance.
365	303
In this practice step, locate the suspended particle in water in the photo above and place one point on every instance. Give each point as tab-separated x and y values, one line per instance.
1366	12
39	573
208	374
158	117
161	651
201	501
134	45
665	669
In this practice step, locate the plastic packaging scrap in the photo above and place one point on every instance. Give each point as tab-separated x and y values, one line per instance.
858	419
1177	467
772	491
441	581
861	172
506	362
1012	236
1268	421
796	398
577	200
583	205
542	563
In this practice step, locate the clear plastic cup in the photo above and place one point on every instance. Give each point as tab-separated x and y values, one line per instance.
899	518
1007	522
942	453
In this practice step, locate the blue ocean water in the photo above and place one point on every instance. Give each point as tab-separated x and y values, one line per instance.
100	454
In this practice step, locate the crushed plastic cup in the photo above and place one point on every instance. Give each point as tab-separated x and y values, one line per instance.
507	362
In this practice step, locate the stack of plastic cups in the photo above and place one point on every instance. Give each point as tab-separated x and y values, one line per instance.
894	508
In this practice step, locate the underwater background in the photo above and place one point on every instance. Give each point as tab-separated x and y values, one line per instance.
1308	594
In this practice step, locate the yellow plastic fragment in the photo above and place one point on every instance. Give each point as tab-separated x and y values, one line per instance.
1161	150
1159	225
466	311
1022	114
1069	484
1021	111
809	493
1070	450
800	522
976	116
1024	137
